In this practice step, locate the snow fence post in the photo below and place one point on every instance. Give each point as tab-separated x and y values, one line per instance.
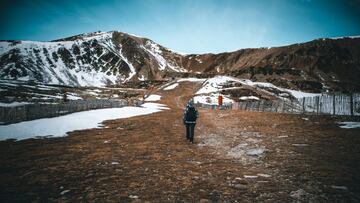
303	104
333	104
317	105
351	104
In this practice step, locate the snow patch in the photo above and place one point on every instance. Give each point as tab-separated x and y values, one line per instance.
142	78
153	97
212	99
13	104
155	105
59	126
170	87
249	98
216	84
349	125
191	80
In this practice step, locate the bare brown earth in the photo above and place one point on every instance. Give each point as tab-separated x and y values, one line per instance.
304	158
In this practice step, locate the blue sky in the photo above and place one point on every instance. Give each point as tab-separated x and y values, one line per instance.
190	26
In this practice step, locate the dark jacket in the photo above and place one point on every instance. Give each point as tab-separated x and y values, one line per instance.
190	115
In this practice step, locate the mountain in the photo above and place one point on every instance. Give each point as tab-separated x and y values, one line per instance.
93	59
102	58
319	65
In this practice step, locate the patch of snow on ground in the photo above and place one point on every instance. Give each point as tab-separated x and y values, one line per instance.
13	104
191	80
211	99
349	125
155	105
142	78
59	126
215	84
153	97
170	87
295	93
73	97
299	94
249	98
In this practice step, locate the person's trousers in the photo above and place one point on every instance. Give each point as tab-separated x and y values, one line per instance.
190	132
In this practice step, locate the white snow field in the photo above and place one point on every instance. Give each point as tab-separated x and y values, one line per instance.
209	92
171	87
153	97
59	126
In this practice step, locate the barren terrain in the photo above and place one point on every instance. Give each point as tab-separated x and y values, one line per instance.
238	156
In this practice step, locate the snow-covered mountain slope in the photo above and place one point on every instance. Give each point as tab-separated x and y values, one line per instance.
93	59
100	58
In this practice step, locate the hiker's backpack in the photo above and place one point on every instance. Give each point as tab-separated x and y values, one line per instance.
191	114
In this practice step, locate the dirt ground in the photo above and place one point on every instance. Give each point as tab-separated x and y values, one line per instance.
238	156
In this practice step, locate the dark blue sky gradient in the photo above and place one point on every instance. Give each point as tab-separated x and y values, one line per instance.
184	25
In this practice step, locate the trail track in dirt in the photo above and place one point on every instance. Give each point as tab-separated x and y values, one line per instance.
237	156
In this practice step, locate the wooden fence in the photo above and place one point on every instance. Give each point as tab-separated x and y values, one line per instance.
333	104
41	110
280	106
328	104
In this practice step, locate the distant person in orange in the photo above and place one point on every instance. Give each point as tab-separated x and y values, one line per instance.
189	118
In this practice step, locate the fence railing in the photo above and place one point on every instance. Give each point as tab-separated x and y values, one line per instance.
330	104
41	110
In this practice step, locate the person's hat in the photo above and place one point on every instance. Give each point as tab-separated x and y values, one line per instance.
191	102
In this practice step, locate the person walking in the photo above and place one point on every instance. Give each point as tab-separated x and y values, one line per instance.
189	118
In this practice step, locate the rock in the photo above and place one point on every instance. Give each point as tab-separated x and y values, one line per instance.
195	178
240	187
133	196
64	192
215	196
255	151
298	194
